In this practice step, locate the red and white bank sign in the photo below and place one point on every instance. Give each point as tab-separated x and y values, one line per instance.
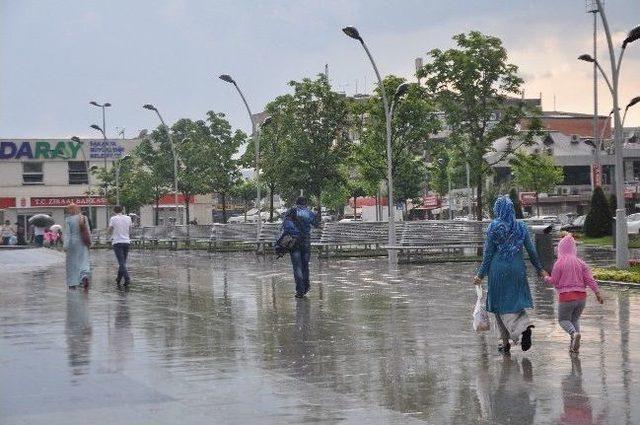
527	198
431	201
81	201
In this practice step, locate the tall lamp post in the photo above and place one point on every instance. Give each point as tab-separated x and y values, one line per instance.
255	132
353	33
150	107
622	248
76	139
104	154
104	127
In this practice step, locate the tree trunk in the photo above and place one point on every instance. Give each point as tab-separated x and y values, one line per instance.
246	205
270	203
355	206
224	207
186	209
157	214
537	205
479	198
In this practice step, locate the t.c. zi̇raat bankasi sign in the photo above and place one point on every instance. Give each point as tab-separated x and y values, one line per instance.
66	200
65	150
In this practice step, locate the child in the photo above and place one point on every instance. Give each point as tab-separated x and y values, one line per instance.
570	277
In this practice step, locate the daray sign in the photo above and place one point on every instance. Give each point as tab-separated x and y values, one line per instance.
39	150
66	200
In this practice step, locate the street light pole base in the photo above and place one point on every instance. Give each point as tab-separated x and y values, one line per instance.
622	240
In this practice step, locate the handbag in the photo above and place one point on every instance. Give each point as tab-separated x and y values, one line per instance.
85	235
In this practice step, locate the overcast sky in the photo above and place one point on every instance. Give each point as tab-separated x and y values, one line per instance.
56	56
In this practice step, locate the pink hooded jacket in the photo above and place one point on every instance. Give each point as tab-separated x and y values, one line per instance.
570	274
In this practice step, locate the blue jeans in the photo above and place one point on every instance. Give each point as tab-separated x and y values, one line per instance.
300	261
39	240
122	251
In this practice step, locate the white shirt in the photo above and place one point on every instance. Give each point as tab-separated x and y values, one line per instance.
38	231
120	224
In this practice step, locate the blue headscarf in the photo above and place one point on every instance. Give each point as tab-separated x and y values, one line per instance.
508	234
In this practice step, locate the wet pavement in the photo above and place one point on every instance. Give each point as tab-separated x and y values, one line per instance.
219	339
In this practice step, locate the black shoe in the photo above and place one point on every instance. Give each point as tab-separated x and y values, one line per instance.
526	339
504	348
299	295
127	282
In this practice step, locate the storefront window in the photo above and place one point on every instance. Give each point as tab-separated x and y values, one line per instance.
32	173
78	172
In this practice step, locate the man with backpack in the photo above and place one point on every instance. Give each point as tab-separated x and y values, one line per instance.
296	238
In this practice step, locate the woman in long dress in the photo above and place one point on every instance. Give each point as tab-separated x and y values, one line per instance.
508	293
78	266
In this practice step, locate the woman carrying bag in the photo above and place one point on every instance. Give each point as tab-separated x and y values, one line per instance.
76	243
508	293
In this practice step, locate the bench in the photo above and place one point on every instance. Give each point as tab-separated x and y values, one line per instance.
227	235
349	236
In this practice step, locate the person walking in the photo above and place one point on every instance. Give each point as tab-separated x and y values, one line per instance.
570	277
508	293
38	236
76	243
6	233
119	228
298	222
20	233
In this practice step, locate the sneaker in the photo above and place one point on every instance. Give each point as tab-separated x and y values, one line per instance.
575	342
526	339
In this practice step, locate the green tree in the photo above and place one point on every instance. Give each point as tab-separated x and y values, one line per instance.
598	221
312	137
513	195
246	191
193	147
222	144
471	84
155	162
412	122
536	173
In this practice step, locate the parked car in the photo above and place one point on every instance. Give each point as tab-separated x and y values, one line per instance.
575	225
633	223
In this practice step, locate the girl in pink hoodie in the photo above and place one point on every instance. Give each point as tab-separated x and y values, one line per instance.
570	277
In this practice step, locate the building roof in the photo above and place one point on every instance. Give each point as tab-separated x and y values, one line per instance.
566	150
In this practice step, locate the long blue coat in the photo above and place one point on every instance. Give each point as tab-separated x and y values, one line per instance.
508	288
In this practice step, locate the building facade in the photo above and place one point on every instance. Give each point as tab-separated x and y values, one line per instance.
45	175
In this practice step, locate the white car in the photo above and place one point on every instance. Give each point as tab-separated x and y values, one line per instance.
633	223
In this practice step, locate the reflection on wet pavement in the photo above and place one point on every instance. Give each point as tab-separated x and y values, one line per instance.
220	339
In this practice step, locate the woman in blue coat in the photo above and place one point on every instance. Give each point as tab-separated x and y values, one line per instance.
508	293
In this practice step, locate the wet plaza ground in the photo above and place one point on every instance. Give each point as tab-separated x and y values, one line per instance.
219	339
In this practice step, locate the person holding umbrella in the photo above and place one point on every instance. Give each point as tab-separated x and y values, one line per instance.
40	222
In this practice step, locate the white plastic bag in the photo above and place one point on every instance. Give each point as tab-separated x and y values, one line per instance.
480	315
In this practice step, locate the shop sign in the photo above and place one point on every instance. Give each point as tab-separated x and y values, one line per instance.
101	149
527	198
39	150
81	201
431	201
7	202
628	193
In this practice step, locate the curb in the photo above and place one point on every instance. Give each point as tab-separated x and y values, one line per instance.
619	284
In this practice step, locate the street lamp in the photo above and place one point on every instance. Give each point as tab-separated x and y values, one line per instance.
104	126
76	139
150	107
353	33
633	102
622	248
104	155
255	132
